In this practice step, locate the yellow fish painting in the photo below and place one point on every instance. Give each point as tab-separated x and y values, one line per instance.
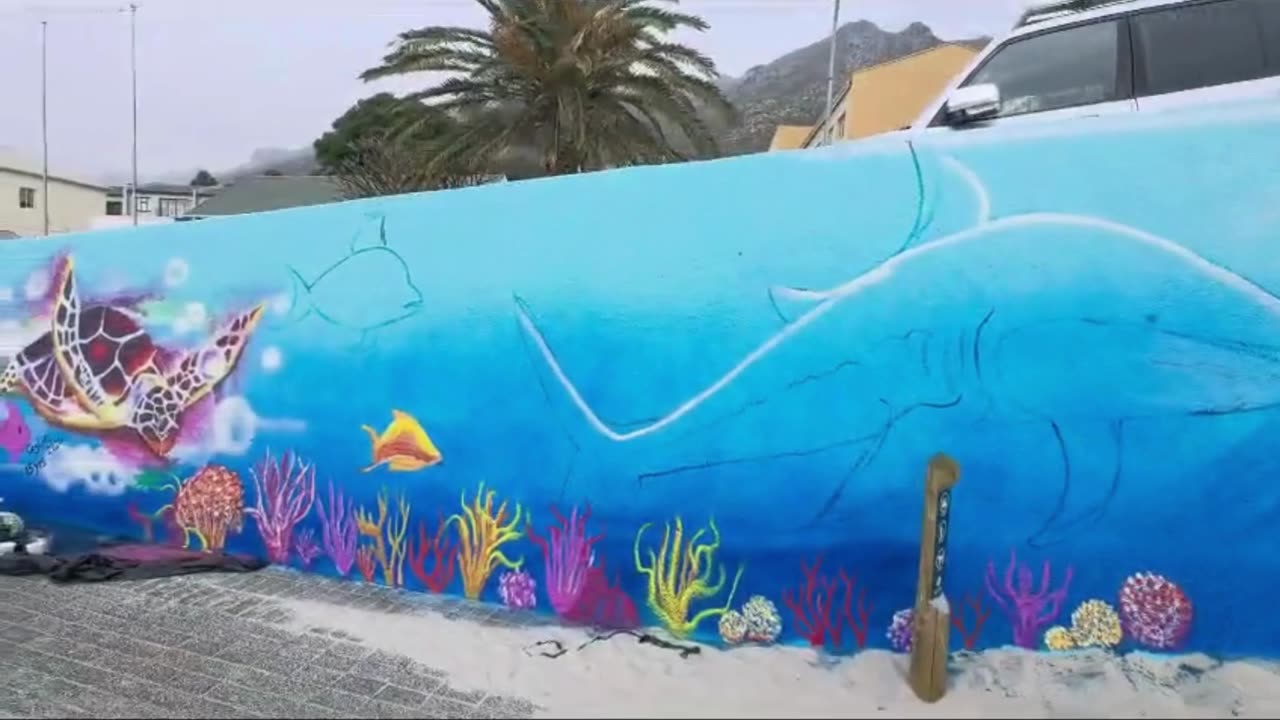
404	446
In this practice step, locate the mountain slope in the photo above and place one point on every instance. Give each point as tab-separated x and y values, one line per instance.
792	90
300	161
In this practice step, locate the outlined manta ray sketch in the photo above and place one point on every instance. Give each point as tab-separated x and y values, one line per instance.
1083	369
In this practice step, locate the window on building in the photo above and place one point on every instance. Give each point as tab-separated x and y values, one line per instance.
172	207
115	207
144	203
1058	69
1199	46
26	198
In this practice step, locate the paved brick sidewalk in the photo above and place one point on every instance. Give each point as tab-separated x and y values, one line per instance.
216	646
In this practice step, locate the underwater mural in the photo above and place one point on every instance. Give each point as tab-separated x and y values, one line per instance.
701	396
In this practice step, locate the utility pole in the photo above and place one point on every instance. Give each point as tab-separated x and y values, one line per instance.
133	72
831	59
44	120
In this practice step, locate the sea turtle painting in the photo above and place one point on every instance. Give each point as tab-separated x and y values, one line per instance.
97	370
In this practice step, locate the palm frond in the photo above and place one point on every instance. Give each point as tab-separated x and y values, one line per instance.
581	84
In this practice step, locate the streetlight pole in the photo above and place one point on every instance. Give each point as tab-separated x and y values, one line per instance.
831	58
133	72
44	120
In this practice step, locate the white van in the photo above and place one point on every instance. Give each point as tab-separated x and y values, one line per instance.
1090	58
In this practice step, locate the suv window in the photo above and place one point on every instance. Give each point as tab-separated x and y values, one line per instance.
1198	46
1269	15
1077	65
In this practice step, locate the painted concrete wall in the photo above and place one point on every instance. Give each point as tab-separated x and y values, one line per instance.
652	395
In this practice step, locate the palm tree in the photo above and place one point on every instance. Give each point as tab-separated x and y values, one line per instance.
383	166
583	84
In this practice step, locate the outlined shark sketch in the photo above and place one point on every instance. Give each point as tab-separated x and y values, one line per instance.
1130	360
367	290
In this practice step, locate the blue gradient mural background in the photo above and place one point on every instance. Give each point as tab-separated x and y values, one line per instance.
1083	316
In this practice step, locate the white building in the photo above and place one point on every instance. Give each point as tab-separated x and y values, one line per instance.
156	201
73	205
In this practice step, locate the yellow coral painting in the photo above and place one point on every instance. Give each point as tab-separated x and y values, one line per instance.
388	538
1059	638
678	574
1096	624
1093	624
482	531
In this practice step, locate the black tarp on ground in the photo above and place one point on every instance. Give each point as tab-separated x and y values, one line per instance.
127	561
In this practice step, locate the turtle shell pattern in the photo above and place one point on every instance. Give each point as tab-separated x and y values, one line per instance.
115	349
35	370
101	348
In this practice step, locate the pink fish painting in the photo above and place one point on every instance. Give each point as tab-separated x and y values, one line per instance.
14	433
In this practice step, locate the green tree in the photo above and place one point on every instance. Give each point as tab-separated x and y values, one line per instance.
370	121
203	178
583	84
390	166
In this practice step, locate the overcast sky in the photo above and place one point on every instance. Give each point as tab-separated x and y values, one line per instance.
219	78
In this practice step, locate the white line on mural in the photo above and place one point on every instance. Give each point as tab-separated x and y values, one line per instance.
975	184
878	275
981	197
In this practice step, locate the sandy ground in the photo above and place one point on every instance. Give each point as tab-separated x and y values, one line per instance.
622	678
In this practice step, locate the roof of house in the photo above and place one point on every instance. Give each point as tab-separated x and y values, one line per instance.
158	188
8	235
15	162
789	137
269	192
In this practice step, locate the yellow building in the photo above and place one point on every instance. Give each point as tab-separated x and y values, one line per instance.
73	204
790	137
882	98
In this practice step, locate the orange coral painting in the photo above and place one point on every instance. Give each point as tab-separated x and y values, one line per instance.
388	541
209	505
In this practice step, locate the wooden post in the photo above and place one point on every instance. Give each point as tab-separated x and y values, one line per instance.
931	626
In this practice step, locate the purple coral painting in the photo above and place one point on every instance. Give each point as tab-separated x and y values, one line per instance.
285	488
1029	610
